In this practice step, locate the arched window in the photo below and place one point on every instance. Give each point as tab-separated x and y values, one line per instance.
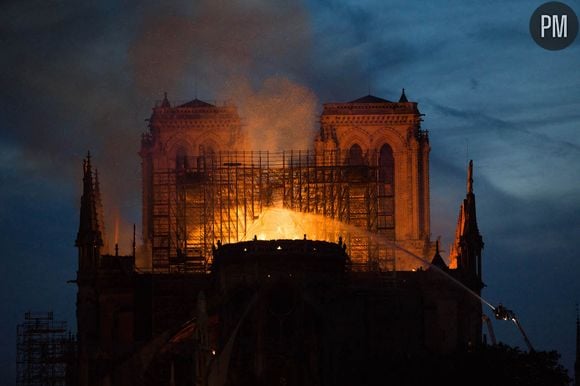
209	155
386	193
355	155
206	157
386	165
209	152
181	161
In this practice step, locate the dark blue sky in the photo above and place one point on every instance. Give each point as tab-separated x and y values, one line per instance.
80	75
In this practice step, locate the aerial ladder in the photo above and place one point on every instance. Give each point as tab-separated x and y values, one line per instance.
502	313
499	311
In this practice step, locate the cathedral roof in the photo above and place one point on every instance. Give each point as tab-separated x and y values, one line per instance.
197	103
439	262
370	99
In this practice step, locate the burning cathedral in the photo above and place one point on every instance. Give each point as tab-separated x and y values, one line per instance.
299	267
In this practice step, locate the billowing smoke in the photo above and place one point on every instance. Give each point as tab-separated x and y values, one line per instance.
279	115
96	86
244	52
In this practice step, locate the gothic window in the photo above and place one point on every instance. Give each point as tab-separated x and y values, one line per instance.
181	161
209	155
355	155
209	152
386	165
206	157
386	198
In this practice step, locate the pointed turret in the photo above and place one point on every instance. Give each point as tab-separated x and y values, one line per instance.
437	259
470	178
89	240
403	98
100	214
466	250
165	102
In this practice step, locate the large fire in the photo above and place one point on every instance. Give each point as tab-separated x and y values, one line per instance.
279	223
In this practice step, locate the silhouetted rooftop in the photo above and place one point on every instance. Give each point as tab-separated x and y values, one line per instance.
370	99
438	261
197	103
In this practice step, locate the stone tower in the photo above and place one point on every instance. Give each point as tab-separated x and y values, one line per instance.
184	137
372	131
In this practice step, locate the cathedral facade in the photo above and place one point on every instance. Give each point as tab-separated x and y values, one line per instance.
232	294
368	168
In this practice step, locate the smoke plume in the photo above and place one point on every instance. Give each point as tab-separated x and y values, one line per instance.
279	115
243	52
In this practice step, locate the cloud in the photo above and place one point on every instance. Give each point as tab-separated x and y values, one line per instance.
483	122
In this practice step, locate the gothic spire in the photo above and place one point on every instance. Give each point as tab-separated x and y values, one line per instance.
89	222
403	97
470	177
466	250
469	202
89	238
100	212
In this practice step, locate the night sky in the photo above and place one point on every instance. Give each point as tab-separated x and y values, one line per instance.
83	75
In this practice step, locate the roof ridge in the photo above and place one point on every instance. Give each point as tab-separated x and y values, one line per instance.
370	99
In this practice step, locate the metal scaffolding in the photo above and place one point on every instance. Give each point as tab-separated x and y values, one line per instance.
44	349
202	200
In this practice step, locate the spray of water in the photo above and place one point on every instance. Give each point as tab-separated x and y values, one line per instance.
439	270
